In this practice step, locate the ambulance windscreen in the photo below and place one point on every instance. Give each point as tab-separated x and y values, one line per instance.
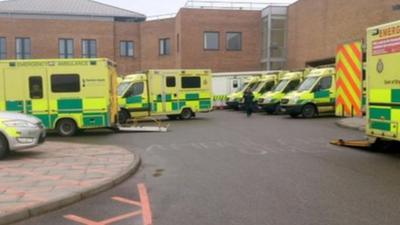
122	87
308	84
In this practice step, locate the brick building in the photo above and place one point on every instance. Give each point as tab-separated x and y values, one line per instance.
223	40
316	27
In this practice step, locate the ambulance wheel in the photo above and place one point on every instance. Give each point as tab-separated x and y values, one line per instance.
309	111
123	116
66	128
186	114
4	149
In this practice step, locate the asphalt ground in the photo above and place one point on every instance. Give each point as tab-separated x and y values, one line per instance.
225	169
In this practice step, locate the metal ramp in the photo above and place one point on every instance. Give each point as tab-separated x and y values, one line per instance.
133	125
352	143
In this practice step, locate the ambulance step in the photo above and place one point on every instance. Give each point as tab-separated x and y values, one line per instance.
142	129
352	143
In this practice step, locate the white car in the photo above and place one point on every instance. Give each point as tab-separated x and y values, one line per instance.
19	131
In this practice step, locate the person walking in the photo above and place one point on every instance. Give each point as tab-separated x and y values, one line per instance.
248	102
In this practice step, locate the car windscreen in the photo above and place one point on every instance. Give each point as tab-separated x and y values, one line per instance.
308	84
122	87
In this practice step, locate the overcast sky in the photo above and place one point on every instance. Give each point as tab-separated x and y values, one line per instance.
158	7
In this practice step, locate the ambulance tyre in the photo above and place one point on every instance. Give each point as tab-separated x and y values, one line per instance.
309	111
123	116
186	114
4	149
66	127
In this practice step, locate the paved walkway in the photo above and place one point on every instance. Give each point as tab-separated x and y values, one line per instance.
355	123
56	174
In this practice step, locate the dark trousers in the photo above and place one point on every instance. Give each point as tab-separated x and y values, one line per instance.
249	110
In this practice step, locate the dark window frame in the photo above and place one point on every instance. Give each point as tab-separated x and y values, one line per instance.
31	78
167	82
125	52
89	54
3	52
53	76
227	42
218	43
165	51
66	53
185	85
23	53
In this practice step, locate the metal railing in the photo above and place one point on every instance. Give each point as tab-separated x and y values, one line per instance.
203	4
162	16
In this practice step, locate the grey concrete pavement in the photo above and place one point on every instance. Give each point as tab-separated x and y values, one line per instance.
35	181
225	169
355	123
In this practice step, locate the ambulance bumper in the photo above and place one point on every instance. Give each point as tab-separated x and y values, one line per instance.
233	105
291	109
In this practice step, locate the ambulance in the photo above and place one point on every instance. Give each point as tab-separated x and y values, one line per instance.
258	85
383	82
235	98
67	95
172	93
315	96
270	101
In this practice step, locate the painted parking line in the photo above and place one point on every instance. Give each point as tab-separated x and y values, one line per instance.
144	204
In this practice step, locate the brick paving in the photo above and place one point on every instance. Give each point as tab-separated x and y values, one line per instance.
54	172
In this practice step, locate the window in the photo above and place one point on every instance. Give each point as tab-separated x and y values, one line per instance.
267	87
191	82
65	83
35	87
325	83
66	48
171	81
211	40
126	48
292	86
135	89
235	83
234	41
165	46
89	49
23	48
3	48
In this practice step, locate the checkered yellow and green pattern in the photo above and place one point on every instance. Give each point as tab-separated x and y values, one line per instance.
87	113
384	113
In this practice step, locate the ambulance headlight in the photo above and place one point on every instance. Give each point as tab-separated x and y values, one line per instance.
294	100
19	123
267	100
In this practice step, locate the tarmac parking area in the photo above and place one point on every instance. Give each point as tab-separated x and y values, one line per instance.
223	168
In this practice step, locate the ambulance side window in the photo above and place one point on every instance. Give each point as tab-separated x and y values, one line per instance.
65	83
135	89
171	81
191	82
35	87
325	83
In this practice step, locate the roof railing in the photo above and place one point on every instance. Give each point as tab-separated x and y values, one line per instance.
204	4
161	17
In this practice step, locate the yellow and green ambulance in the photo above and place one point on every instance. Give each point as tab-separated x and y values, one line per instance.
383	82
172	93
315	96
65	94
270	101
234	99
